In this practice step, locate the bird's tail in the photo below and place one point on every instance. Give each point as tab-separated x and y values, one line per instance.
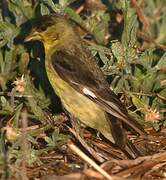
119	135
130	150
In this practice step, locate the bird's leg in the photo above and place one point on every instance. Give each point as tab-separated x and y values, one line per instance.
75	132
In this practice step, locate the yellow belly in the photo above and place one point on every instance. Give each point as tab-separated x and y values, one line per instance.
79	105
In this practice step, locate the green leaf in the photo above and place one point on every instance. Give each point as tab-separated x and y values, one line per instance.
44	9
149	82
22	9
103	57
162	62
162	35
6	106
65	3
55	7
74	16
99	26
8	32
164	124
118	51
146	59
156	126
34	99
130	25
141	106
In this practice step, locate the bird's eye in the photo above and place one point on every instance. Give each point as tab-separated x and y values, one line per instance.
43	28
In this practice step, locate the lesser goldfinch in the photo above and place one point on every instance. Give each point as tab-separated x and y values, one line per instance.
79	82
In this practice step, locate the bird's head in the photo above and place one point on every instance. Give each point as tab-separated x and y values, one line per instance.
51	30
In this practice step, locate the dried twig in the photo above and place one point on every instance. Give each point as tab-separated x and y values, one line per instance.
83	143
88	160
24	145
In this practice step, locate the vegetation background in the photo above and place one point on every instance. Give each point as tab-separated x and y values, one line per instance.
128	39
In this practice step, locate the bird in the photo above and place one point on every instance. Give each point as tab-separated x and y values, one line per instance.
80	83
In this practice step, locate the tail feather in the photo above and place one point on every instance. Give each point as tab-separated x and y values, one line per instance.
119	135
131	151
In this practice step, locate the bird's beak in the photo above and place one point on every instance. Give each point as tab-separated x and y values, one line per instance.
33	36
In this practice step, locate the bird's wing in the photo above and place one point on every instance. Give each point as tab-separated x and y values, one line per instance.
86	81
